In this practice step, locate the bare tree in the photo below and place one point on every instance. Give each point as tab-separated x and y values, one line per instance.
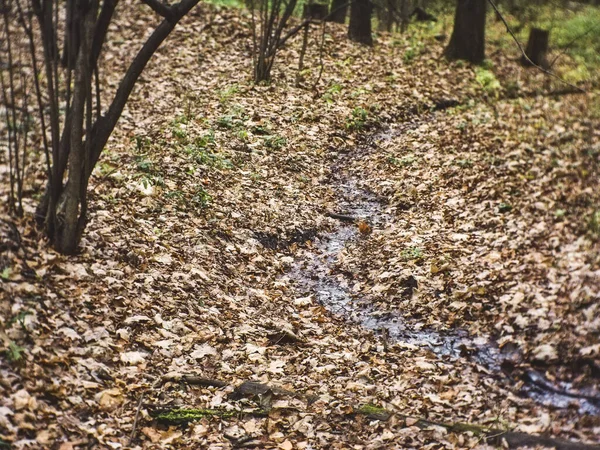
74	127
267	28
15	89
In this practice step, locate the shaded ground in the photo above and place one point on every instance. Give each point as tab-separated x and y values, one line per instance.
213	191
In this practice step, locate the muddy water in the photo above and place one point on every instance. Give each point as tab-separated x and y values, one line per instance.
315	273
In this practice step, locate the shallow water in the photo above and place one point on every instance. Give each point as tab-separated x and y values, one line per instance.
316	274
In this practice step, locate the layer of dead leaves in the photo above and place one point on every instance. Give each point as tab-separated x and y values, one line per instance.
206	189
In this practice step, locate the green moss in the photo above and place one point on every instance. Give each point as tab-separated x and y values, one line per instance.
374	412
184	415
371	409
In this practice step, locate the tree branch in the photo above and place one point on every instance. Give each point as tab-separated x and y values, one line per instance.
161	9
566	47
105	125
540	68
300	26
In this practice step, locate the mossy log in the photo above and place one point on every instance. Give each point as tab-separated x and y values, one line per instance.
178	416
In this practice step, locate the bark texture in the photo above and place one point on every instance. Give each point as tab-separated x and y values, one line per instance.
468	37
339	11
537	48
359	29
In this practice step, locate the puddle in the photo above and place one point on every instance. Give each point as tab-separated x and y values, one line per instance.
315	273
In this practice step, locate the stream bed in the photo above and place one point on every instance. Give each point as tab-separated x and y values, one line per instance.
315	274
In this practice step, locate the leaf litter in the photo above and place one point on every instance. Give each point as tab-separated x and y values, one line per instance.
477	232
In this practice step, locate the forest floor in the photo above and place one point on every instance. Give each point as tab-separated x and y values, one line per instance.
222	248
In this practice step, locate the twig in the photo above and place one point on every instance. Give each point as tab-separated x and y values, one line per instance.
200	381
342	217
299	27
540	68
566	47
139	407
321	63
135	421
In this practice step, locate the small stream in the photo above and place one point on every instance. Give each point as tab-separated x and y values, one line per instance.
315	274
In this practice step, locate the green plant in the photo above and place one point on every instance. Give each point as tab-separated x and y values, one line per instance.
487	80
5	274
261	130
143	164
20	318
205	140
14	352
405	161
226	94
409	55
201	198
182	119
210	159
274	141
332	92
358	119
141	142
411	253
464	163
358	92
180	133
151	180
235	117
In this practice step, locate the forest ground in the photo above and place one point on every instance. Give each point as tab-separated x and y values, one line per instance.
214	193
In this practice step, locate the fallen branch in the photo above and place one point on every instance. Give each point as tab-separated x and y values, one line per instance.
179	416
136	419
492	436
538	380
342	217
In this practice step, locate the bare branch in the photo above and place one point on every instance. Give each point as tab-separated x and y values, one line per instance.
540	68
300	26
104	125
566	47
161	9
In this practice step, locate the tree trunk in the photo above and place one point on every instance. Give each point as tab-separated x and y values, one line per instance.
387	14
71	207
339	11
359	29
63	207
316	11
404	15
537	48
468	37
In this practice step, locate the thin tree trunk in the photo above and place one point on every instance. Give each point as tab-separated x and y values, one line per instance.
404	15
468	38
339	11
63	207
70	216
